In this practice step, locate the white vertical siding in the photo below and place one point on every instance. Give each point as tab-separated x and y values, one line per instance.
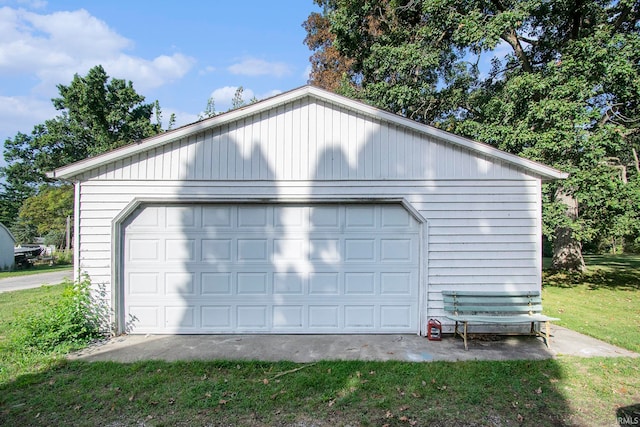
303	141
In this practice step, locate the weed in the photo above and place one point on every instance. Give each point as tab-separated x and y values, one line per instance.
63	324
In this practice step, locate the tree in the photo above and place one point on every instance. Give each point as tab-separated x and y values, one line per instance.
329	68
97	114
48	211
236	102
566	92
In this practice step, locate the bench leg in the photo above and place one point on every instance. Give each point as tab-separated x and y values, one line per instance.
465	336
456	331
547	339
546	335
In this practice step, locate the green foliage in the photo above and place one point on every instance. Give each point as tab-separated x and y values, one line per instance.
64	257
236	102
70	322
24	231
564	87
48	211
97	114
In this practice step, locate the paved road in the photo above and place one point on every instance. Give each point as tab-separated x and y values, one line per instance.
34	280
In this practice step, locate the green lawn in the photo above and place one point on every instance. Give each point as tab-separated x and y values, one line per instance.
604	302
37	269
45	389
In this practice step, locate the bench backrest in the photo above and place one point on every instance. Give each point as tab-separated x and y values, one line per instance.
497	303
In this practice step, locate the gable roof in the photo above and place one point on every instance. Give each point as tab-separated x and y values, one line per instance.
70	171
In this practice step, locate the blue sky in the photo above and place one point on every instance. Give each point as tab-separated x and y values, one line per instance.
178	52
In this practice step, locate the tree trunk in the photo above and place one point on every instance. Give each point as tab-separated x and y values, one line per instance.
567	250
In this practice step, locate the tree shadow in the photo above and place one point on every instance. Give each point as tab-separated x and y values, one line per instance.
621	279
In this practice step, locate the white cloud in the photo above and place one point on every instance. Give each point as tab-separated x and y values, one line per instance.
224	95
32	4
260	67
182	118
53	47
20	114
207	70
307	73
270	93
147	74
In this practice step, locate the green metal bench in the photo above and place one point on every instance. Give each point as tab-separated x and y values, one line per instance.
496	307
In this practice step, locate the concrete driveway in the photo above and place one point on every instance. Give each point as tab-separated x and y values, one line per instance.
34	280
311	348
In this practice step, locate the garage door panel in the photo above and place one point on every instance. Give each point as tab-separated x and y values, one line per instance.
361	283
217	217
324	317
216	317
181	217
359	316
143	284
253	216
290	218
180	250
253	250
272	268
147	218
288	316
252	317
360	250
324	217
359	217
216	284
145	317
394	216
288	284
180	318
395	316
396	283
179	284
252	283
396	250
217	250
144	250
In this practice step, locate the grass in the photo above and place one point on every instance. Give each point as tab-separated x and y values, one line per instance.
604	302
41	389
14	360
569	391
36	269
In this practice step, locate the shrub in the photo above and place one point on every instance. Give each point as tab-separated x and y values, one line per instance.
64	257
69	323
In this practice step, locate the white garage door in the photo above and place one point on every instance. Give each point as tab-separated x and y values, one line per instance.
327	268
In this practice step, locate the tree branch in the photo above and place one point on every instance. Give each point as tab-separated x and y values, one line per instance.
511	37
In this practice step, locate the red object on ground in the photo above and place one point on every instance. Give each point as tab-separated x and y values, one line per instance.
434	330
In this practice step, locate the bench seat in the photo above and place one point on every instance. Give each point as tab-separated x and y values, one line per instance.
516	307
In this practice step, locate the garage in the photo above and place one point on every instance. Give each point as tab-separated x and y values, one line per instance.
265	268
307	212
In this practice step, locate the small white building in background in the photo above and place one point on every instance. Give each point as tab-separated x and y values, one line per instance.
304	213
7	243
